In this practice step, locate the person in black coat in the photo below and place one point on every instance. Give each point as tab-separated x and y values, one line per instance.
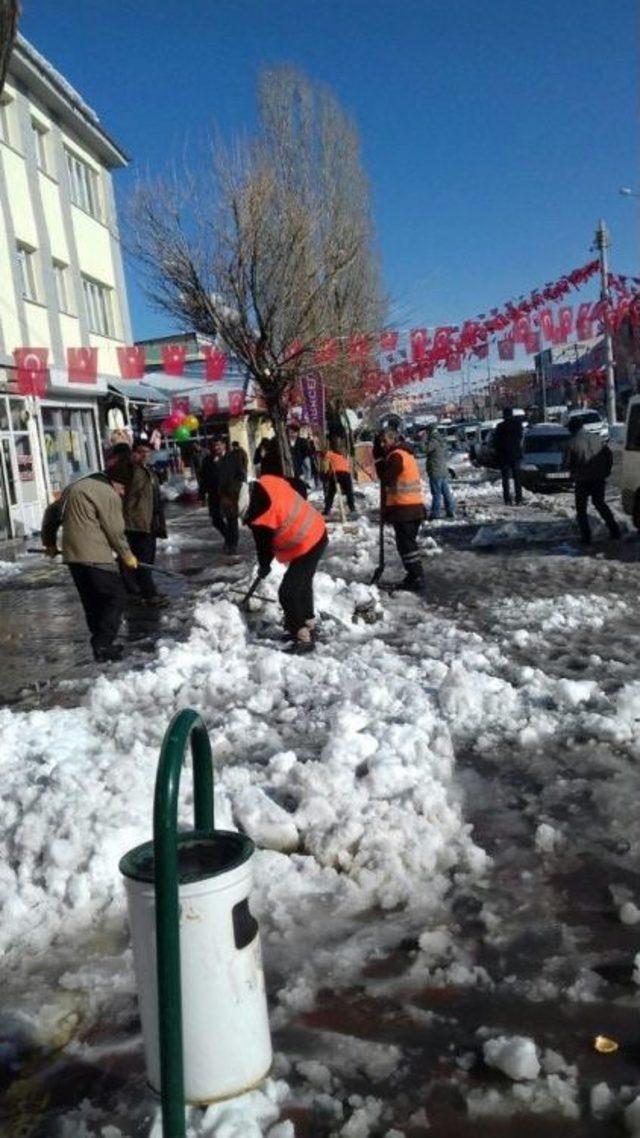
507	442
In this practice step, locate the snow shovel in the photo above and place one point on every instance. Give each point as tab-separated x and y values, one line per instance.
243	603
158	569
379	569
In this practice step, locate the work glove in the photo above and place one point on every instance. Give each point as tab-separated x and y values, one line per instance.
51	551
264	571
130	560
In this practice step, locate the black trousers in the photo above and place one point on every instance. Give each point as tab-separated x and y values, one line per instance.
102	596
594	490
511	470
139	582
406	534
215	513
230	522
296	590
345	482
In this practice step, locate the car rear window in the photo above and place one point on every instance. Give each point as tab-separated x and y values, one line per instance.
541	444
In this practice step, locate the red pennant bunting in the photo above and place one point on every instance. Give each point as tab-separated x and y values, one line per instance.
419	341
174	357
131	361
547	327
215	363
236	403
533	343
442	343
565	321
584	322
358	350
210	405
521	329
31	370
181	403
82	365
327	351
388	341
506	348
293	351
400	374
454	362
482	351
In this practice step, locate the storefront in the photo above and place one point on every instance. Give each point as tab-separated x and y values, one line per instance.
70	442
23	491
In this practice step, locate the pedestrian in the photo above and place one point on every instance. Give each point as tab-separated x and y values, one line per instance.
287	527
590	460
262	448
144	520
241	456
403	505
90	513
338	473
231	479
437	465
301	453
507	443
209	484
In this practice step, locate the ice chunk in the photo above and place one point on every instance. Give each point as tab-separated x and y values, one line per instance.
516	1056
266	823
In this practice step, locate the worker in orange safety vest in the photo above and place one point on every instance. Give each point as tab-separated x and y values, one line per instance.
404	505
337	473
287	527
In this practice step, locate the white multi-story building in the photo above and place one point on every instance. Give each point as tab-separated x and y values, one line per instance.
61	281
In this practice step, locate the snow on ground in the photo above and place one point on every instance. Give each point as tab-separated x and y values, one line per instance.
342	767
8	569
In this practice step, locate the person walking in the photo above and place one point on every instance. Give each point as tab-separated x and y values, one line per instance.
209	485
507	442
338	473
589	460
403	505
287	527
437	466
143	519
90	513
231	478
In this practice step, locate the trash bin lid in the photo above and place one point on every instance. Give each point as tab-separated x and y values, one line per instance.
201	854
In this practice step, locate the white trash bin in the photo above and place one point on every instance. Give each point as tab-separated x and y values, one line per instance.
225	1027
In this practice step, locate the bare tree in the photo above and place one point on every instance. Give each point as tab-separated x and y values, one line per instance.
270	247
9	10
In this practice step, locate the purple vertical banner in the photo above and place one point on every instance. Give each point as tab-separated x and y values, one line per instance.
313	398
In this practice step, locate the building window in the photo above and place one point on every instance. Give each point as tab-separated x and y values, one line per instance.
83	181
97	299
27	267
61	277
6	120
40	133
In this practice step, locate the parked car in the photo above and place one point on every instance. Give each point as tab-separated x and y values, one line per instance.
591	421
481	450
630	475
542	467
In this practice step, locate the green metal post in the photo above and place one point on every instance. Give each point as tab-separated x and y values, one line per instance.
186	725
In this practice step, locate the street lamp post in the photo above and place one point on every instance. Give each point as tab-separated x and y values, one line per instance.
602	243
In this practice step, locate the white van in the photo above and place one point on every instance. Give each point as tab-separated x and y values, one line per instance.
630	476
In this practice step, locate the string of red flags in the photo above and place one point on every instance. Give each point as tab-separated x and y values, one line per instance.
388	359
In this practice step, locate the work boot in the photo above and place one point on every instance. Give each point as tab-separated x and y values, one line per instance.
303	641
107	654
412	584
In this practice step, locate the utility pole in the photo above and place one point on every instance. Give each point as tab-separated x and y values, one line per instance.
602	243
543	385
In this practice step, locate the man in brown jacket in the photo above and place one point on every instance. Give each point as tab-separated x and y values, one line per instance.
144	519
90	513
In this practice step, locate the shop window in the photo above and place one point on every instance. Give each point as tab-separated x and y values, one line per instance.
26	257
70	444
40	133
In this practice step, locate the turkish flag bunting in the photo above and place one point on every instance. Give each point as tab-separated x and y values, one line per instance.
372	380
215	363
506	348
521	329
181	403
442	343
31	370
358	349
82	365
469	334
210	405
174	357
388	341
584	321
565	321
545	320
533	343
419	342
236	403
292	351
482	351
400	374
454	362
327	351
131	362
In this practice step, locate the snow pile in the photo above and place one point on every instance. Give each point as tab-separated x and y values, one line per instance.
8	569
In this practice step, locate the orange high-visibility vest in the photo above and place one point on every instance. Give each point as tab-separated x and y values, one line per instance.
297	526
407	490
338	463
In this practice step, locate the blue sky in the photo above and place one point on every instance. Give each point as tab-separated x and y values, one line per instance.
494	135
